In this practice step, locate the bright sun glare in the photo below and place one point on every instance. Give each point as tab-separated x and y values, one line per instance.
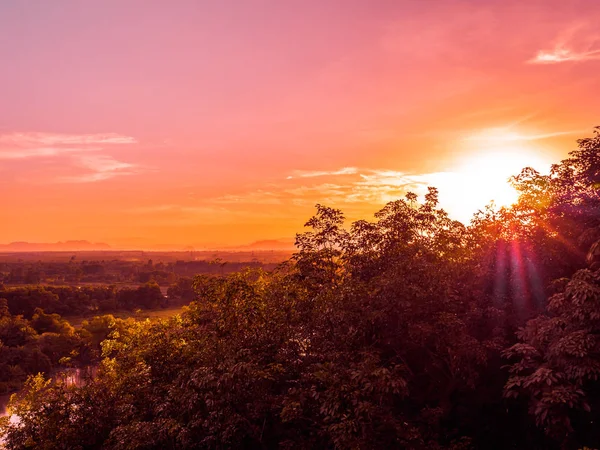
483	176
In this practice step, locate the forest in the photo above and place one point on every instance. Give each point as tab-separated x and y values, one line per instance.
411	330
20	271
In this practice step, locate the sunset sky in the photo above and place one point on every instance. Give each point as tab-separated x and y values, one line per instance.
214	123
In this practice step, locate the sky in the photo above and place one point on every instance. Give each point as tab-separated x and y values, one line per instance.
215	123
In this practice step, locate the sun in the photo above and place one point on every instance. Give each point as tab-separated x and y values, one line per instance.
488	174
481	176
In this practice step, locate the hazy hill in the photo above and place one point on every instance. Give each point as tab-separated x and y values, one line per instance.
269	244
67	246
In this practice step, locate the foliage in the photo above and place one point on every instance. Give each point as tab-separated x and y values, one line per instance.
558	361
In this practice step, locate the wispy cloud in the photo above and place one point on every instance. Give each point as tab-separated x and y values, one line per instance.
323	189
562	54
101	167
38	152
352	187
359	193
323	173
35	145
47	139
506	134
576	43
257	197
83	155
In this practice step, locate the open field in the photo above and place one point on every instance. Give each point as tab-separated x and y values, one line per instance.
156	314
83	284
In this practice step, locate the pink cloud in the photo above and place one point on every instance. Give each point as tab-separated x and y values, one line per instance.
101	167
576	43
81	154
561	54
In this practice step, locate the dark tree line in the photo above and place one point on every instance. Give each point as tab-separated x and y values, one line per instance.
85	300
409	331
115	271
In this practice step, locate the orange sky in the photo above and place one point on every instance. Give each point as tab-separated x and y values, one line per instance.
217	123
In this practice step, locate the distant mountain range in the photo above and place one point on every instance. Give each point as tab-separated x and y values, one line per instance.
270	244
280	245
67	246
